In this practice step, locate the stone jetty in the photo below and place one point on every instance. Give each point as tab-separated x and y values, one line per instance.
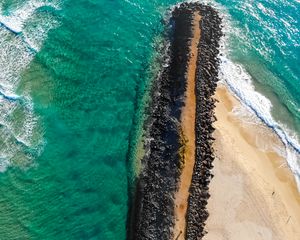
152	213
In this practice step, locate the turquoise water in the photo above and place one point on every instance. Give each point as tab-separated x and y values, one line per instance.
267	45
260	64
73	76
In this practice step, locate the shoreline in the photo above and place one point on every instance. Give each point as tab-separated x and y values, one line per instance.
192	135
254	178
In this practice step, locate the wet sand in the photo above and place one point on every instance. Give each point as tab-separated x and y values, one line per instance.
253	193
188	136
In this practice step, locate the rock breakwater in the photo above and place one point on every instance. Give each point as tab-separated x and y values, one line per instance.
152	215
206	83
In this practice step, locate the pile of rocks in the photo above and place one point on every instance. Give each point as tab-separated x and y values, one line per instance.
152	214
153	211
207	77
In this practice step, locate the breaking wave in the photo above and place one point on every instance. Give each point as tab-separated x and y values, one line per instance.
23	29
240	83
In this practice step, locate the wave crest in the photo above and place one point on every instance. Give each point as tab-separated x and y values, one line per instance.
240	83
22	32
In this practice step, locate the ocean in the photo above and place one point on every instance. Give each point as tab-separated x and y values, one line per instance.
74	77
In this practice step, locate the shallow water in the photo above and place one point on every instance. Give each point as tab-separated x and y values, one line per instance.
73	74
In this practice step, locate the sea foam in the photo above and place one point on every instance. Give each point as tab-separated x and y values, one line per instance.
15	21
21	137
240	83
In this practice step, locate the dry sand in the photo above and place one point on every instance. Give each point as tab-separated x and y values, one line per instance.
188	132
253	194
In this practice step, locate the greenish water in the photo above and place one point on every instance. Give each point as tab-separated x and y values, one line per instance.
72	81
85	83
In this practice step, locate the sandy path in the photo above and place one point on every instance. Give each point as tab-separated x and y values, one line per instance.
253	194
188	132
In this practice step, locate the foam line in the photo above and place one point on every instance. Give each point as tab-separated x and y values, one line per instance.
21	35
2	24
14	23
20	15
26	43
260	105
240	83
9	97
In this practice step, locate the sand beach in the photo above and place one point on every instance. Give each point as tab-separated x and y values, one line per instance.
253	192
212	169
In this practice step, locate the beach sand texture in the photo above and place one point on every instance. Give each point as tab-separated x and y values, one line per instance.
188	135
253	193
